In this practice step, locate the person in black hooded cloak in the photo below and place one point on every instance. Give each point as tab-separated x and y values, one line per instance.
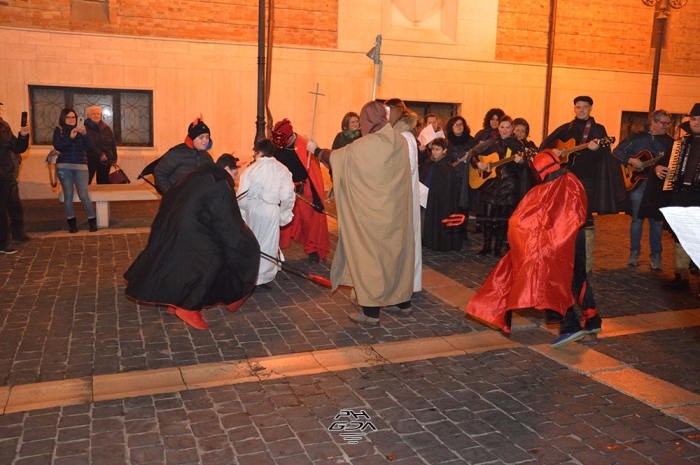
200	252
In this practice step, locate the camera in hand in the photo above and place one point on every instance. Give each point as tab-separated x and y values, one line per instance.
24	119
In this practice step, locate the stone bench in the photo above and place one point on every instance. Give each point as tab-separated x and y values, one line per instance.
102	194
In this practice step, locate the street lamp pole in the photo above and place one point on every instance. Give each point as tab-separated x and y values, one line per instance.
260	120
661	18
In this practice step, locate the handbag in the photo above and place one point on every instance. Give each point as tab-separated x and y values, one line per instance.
51	163
118	176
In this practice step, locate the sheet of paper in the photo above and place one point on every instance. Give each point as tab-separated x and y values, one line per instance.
427	135
423	194
685	222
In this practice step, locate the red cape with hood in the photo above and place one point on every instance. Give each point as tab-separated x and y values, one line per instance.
308	227
538	270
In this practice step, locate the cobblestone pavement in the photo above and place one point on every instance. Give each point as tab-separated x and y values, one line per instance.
63	315
511	406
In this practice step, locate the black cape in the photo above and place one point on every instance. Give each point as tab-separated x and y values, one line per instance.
600	166
442	202
200	252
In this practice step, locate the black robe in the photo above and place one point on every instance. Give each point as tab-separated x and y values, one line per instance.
442	202
598	169
200	252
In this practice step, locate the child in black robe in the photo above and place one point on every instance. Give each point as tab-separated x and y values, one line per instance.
437	173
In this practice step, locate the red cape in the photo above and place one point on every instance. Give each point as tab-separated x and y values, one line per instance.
538	270
308	227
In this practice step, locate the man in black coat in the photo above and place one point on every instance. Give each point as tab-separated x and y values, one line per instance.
200	252
183	157
681	194
104	151
593	166
10	148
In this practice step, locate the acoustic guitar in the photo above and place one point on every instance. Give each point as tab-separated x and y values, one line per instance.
569	149
634	176
479	179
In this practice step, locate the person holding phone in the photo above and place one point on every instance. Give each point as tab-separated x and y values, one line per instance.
70	139
10	148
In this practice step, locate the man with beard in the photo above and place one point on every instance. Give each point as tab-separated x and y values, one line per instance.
309	225
656	142
372	182
200	252
685	193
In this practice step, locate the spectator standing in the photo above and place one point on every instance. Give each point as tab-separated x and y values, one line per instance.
350	131
104	151
71	166
10	148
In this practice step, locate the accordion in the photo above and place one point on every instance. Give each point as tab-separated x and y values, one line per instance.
684	165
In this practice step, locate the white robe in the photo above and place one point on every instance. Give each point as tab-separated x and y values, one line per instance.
265	207
415	190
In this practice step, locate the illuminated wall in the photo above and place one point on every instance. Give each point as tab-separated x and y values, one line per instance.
202	57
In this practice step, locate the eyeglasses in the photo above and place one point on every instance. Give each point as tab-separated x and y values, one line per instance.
665	123
70	117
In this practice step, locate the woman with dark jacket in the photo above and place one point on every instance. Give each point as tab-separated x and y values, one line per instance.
490	125
459	141
350	131
500	195
71	166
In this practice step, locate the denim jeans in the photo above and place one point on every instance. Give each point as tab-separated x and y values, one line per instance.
79	179
637	225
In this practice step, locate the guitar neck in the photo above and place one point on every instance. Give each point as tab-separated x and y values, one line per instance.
573	149
650	162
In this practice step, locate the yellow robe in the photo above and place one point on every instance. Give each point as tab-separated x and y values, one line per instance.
372	185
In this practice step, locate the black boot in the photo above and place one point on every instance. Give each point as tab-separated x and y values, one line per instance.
677	284
92	224
72	225
488	239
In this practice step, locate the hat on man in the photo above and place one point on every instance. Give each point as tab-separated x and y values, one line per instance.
583	98
282	133
695	111
196	129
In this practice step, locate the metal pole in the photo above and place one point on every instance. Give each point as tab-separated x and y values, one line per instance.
260	120
550	64
374	82
661	18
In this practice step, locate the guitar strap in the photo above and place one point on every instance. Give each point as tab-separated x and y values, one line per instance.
584	139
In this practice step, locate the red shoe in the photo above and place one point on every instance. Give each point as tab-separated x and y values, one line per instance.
191	317
237	304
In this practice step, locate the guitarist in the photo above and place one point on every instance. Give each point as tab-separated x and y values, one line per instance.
592	166
655	140
499	199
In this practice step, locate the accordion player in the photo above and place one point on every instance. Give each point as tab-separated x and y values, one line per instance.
684	165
